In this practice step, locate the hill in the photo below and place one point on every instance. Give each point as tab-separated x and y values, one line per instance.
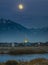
11	32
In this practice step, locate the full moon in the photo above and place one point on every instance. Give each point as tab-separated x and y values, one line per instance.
20	6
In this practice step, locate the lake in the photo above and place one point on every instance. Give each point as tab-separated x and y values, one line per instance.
25	57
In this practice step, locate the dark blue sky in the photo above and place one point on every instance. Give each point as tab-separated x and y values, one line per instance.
34	14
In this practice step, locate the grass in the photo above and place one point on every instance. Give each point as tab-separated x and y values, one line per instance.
40	61
25	50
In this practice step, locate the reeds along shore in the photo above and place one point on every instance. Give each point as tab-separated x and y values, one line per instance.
24	50
40	61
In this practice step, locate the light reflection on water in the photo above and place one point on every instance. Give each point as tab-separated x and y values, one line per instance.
25	57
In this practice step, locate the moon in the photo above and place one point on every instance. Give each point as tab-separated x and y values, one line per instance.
20	6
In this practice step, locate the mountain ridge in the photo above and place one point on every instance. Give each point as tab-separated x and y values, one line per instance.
12	31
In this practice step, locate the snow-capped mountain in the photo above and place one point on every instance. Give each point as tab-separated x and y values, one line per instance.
8	24
11	32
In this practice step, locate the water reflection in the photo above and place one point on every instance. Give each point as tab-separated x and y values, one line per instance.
25	57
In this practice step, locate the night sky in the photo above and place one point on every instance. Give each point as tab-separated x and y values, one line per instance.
34	14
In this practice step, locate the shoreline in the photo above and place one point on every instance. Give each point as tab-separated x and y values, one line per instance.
24	50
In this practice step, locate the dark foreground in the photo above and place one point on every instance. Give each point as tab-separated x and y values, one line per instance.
40	61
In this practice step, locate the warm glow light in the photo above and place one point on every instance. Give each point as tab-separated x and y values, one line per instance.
26	41
20	6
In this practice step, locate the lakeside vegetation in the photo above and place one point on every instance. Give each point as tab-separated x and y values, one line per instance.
40	61
24	50
27	51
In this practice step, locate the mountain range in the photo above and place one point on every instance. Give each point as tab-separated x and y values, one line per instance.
11	31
